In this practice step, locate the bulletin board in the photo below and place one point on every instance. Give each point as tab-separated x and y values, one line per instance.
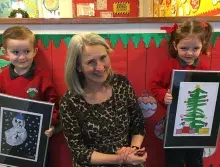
106	8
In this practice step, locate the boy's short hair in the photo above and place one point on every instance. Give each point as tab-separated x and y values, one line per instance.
18	33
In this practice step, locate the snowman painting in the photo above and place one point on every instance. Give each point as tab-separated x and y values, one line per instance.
17	134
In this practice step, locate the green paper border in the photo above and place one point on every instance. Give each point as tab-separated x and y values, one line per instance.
113	38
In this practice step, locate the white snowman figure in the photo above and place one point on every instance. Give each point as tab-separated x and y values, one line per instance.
17	134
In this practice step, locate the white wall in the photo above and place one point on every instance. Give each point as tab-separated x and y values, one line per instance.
98	28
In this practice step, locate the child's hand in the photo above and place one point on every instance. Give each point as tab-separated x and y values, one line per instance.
168	98
49	132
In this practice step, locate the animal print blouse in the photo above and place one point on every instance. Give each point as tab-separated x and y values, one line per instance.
103	127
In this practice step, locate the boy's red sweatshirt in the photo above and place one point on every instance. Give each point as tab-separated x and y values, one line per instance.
35	84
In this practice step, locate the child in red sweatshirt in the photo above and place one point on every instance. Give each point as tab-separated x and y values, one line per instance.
187	42
23	76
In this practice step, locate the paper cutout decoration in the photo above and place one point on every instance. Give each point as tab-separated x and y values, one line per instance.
147	104
173	8
3	63
121	7
168	2
85	9
208	152
101	4
187	8
214	2
195	4
51	9
159	129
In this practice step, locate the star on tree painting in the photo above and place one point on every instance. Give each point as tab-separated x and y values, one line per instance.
195	109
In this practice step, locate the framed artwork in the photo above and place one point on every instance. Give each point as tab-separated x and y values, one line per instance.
22	126
193	118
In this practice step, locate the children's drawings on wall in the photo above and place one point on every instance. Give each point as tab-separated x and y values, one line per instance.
51	9
30	6
5	8
195	108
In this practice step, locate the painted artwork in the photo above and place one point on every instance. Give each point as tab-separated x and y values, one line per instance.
5	8
195	108
51	9
31	6
20	134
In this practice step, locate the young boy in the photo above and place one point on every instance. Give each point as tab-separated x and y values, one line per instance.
23	75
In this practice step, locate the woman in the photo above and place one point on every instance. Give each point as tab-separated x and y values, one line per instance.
100	116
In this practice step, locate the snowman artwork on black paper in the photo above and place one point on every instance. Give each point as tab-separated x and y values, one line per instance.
17	134
20	133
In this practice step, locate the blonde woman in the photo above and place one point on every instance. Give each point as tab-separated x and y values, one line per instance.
100	116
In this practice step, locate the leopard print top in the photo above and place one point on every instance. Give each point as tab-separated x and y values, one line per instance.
103	127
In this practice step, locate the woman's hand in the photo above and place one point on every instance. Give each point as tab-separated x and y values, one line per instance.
132	156
125	151
135	157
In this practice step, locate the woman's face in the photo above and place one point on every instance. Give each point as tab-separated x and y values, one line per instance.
95	64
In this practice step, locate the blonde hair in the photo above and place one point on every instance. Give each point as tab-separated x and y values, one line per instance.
74	79
18	33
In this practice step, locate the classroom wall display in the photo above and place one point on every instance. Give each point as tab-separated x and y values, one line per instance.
137	56
30	6
114	8
175	8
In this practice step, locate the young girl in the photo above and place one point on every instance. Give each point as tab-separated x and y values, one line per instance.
188	41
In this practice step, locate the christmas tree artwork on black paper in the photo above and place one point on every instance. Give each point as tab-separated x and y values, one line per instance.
195	108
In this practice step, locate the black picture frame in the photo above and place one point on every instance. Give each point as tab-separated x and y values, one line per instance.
22	126
200	136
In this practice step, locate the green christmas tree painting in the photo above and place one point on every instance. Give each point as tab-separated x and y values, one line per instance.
194	119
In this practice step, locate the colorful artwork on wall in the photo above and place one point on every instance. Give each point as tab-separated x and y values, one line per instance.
31	6
186	8
109	8
50	9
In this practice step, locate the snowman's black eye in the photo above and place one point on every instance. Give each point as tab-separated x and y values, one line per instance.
16	121
19	122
